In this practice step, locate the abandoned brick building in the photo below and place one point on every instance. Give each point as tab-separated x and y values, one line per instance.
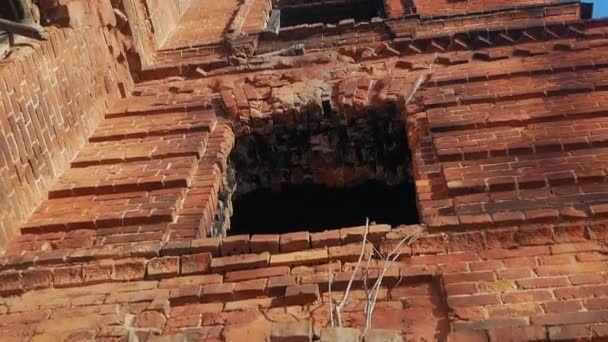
192	170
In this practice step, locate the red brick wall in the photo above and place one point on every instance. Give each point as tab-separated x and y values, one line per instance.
437	7
165	15
51	98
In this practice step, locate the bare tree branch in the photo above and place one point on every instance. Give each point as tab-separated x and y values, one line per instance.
352	278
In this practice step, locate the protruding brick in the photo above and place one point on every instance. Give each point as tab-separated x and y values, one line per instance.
340	334
276	285
196	263
327	238
10	283
293	242
239	262
301	294
382	335
234	245
218	292
127	270
67	276
210	245
264	243
299	331
163	267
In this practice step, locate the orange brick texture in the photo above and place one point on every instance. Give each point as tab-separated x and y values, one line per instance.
51	99
113	201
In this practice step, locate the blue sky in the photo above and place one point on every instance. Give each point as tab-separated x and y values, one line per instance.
600	8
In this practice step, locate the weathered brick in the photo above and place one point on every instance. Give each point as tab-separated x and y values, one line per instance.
97	273
474	300
218	292
267	272
195	263
128	270
208	245
527	296
327	238
234	245
163	267
10	282
68	276
293	242
301	294
291	332
239	262
264	243
250	289
312	256
36	278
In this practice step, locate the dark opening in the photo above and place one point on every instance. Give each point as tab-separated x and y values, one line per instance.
330	13
325	175
316	208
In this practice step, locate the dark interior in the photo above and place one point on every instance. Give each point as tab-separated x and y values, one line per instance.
332	13
11	10
316	208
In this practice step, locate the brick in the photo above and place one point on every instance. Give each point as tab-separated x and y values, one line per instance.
250	289
572	268
291	331
68	276
443	258
585	291
264	243
10	283
189	281
97	273
196	263
152	320
568	332
489	324
308	257
339	334
562	306
176	247
518	334
475	300
465	277
470	241
382	335
239	262
36	279
461	289
515	273
208	245
218	292
536	283
468	336
514	310
267	272
586	246
234	245
185	295
301	294
515	253
276	285
293	242
328	238
496	286
163	267
527	296
127	270
587	278
571	318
